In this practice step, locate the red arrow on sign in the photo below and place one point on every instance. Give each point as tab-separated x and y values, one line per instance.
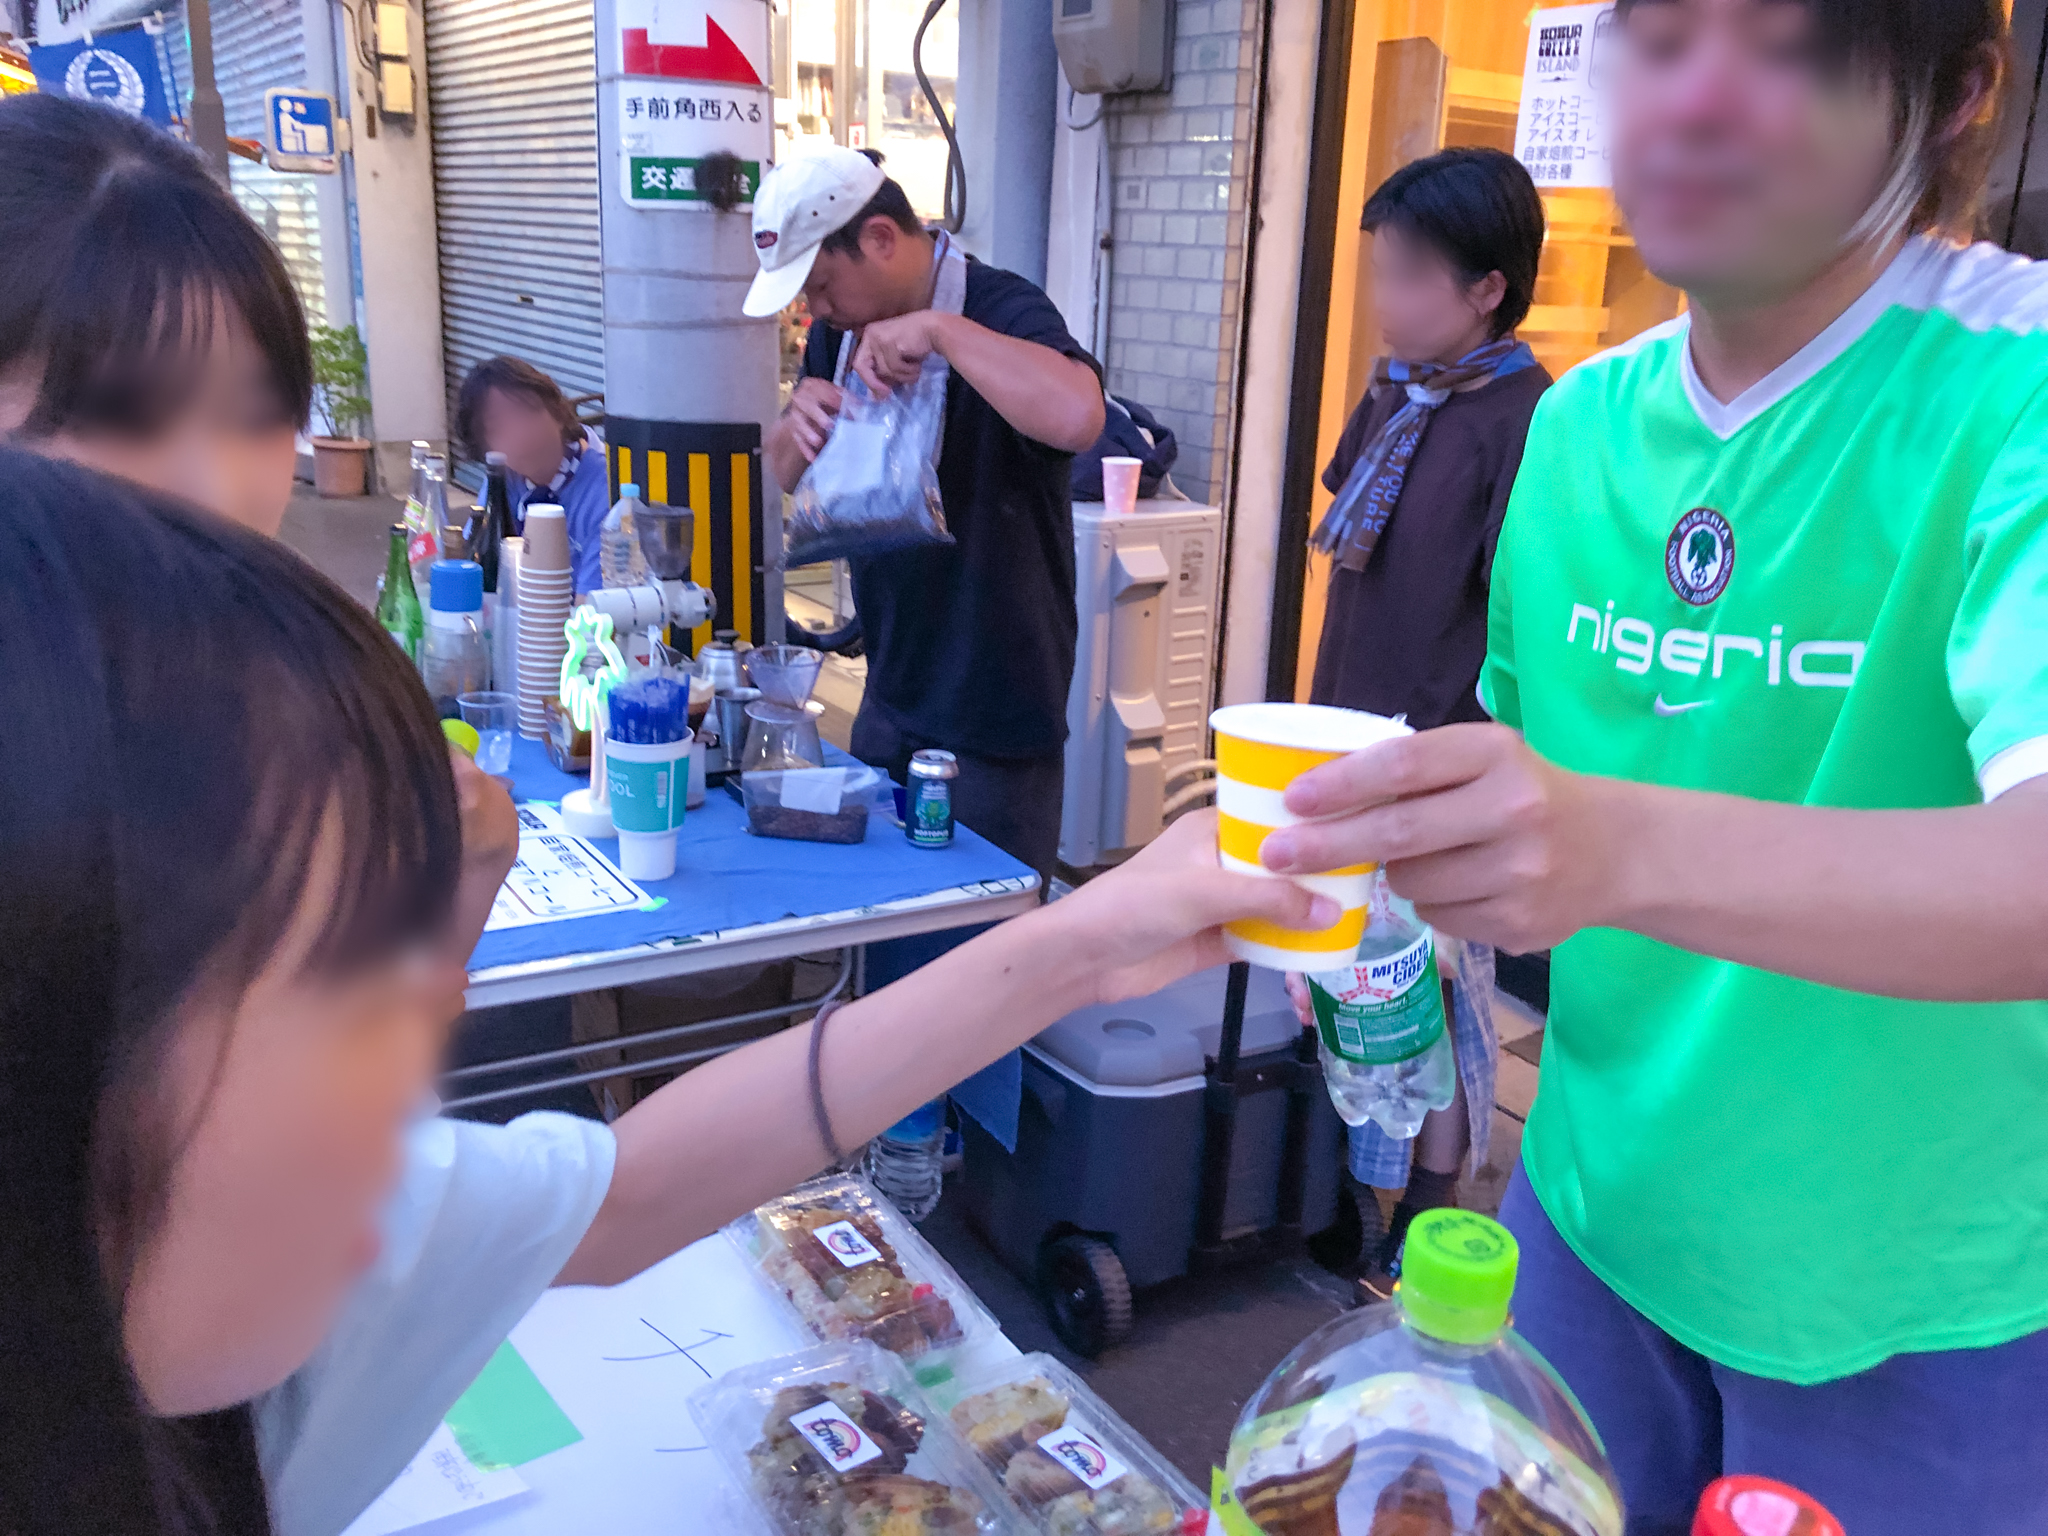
719	59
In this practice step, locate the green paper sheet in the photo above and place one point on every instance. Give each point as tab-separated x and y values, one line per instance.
507	1418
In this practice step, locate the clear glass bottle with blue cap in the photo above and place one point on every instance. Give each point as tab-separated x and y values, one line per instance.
1425	1414
454	657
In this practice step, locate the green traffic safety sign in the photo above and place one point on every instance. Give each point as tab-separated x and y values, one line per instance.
672	179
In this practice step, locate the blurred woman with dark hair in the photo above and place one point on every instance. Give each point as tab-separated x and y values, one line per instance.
508	406
149	329
245	1275
1421	477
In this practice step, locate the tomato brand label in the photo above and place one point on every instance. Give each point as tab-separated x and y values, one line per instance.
1082	1454
843	1443
846	1243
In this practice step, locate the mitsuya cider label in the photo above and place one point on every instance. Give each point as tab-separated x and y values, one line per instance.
1382	1007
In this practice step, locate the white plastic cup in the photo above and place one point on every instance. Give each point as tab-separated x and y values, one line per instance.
647	855
648	787
1120	484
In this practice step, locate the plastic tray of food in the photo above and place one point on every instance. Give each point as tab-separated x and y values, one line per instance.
1068	1464
816	805
836	1441
852	1268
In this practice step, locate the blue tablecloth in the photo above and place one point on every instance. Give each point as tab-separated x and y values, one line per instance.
728	878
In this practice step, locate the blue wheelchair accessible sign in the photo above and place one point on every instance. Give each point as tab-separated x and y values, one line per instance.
300	131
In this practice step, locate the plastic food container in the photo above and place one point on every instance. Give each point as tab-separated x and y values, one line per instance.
836	1441
1067	1463
817	805
852	1268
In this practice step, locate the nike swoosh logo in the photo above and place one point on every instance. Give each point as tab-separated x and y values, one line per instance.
1664	709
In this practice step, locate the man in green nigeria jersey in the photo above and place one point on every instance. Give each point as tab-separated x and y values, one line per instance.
1769	653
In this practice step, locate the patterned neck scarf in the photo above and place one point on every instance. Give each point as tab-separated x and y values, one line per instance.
1360	513
551	493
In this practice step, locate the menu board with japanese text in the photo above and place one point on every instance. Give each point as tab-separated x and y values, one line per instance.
1561	129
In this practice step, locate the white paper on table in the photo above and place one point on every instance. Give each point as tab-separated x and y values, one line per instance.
558	875
813	789
622	1362
441	1481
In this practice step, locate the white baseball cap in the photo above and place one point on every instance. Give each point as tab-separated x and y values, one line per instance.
804	199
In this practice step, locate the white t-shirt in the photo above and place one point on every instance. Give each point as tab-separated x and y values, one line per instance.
482	1221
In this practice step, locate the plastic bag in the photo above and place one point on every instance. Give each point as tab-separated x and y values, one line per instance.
874	486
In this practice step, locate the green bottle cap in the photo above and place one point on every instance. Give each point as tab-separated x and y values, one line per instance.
1457	1273
462	734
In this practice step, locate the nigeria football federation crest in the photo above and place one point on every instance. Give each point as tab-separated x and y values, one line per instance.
1699	557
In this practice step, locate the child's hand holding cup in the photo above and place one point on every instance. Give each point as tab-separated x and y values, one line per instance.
1260	750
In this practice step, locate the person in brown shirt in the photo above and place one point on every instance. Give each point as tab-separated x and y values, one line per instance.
1456	239
1421	478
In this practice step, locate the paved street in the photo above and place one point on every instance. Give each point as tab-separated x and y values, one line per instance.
344	537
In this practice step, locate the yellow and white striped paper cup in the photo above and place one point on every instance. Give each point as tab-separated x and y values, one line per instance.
1260	750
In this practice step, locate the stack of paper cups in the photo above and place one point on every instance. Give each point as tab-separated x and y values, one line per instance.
1260	750
545	595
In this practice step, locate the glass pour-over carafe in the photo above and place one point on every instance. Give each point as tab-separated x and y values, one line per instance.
779	737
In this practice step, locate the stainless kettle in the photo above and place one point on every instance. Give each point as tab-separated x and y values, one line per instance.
724	663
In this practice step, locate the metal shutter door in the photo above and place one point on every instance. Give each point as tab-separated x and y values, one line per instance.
512	89
258	44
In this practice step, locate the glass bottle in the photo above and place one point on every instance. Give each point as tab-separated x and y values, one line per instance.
498	491
486	529
421	448
426	547
398	605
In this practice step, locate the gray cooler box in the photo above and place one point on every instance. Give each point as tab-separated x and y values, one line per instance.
1104	1191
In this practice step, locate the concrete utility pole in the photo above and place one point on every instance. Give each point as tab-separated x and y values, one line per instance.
207	115
690	383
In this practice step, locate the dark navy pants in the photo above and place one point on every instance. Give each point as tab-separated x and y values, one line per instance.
1946	1443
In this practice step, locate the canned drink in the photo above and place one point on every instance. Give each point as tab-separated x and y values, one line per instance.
928	813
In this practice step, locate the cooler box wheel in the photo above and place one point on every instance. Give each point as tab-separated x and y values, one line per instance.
1087	1293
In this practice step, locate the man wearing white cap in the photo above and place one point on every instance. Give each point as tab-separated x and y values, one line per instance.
970	645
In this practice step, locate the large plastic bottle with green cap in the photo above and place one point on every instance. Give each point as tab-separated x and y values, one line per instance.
1426	1416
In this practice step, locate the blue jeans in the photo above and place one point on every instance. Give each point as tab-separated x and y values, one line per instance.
1946	1443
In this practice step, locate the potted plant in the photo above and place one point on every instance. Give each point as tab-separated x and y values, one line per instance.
341	459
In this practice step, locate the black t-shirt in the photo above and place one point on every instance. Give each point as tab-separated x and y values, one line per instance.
971	645
1407	635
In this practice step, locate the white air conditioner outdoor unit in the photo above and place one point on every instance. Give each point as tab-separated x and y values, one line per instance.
1147	587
